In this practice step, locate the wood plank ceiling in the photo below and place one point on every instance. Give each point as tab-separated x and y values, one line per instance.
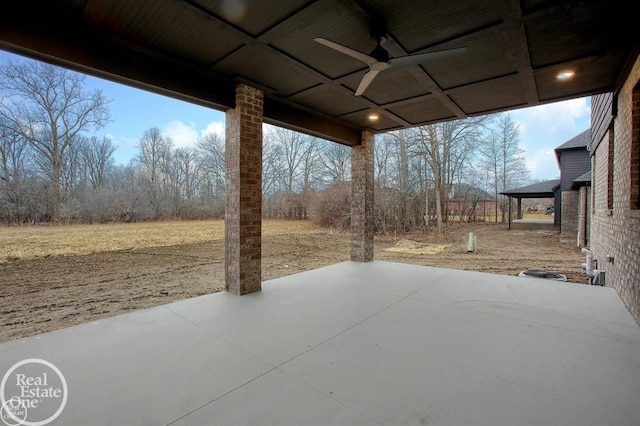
198	50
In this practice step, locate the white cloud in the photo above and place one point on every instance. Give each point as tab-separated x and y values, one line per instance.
215	127
552	118
545	127
542	164
183	135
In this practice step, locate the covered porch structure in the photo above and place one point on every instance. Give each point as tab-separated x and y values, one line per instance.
354	343
339	70
361	342
546	189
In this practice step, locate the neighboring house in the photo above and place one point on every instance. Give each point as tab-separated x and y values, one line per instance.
472	202
574	162
615	211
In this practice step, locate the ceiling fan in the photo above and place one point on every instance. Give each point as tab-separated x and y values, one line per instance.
378	60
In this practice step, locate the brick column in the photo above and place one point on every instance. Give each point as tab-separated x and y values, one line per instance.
243	217
569	215
362	199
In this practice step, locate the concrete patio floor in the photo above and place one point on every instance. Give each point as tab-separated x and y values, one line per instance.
357	343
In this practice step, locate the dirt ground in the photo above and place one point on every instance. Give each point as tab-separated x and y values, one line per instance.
42	295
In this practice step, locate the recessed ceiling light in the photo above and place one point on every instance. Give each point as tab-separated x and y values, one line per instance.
565	75
373	116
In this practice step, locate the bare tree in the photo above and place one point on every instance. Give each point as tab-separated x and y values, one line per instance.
154	156
336	162
385	177
429	143
16	189
13	152
296	149
184	178
406	216
272	170
71	179
503	159
310	165
210	150
50	107
97	159
446	148
383	158
290	170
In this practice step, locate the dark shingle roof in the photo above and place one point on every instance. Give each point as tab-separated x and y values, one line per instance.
582	180
579	141
537	190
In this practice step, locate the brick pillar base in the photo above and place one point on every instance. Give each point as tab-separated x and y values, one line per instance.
362	199
243	218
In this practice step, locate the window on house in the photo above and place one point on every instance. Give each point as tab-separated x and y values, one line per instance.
635	149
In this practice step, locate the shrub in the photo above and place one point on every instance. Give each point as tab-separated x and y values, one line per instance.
331	207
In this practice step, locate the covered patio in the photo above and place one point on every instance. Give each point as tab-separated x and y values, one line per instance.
357	343
545	189
361	342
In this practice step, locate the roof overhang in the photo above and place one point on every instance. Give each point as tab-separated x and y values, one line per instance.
545	189
198	50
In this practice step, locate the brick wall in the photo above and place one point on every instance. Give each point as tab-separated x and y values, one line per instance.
243	216
616	232
569	215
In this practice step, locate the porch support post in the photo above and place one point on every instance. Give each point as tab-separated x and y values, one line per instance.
519	209
243	216
362	175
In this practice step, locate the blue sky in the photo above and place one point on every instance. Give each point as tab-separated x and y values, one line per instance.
134	111
542	128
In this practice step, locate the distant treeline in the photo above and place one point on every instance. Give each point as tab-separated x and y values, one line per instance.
53	171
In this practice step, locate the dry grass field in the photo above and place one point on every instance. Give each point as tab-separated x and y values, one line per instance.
58	276
32	242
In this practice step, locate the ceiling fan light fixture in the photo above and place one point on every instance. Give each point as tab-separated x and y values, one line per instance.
565	75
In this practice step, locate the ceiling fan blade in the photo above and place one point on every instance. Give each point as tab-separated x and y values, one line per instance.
347	51
422	58
366	81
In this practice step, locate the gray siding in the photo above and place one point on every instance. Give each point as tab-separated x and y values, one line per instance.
573	164
601	117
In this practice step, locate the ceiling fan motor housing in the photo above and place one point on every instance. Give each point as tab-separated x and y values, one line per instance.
379	54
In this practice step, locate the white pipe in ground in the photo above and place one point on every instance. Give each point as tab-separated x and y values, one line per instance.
471	246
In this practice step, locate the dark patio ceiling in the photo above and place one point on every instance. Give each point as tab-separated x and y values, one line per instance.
198	50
